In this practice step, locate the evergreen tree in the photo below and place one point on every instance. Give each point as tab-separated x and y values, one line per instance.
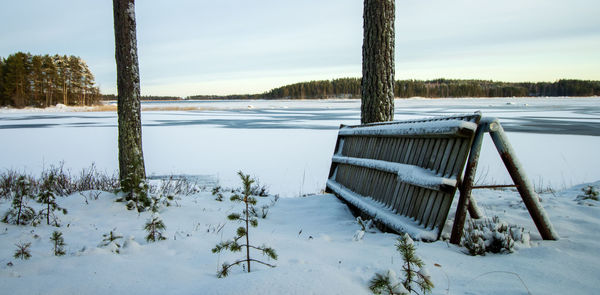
23	251
36	80
3	99
377	85
131	158
111	240
155	228
63	77
415	275
49	80
20	213
47	196
58	243
16	86
216	191
243	232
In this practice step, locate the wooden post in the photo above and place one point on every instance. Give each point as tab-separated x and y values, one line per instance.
465	200
524	186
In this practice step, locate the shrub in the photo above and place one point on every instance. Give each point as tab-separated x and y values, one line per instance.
492	235
365	226
135	193
590	193
175	186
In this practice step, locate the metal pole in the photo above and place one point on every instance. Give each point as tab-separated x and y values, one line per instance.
465	200
524	186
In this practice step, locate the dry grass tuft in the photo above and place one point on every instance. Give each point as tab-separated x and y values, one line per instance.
102	108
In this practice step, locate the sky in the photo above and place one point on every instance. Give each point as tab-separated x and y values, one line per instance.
201	47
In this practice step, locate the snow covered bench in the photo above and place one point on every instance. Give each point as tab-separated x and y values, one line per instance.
403	174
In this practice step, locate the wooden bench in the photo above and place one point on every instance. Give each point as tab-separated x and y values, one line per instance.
404	174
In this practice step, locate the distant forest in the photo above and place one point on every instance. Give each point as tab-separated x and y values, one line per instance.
144	97
350	88
42	81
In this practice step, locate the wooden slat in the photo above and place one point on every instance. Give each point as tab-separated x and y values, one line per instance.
440	151
427	216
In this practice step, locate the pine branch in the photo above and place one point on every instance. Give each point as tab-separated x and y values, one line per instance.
264	263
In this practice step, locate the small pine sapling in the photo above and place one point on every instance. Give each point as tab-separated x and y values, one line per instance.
590	193
243	231
493	235
22	251
415	274
387	284
136	192
160	201
110	240
365	226
58	242
47	196
155	228
20	213
216	191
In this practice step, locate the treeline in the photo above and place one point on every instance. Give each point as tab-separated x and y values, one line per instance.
482	88
44	80
350	88
144	97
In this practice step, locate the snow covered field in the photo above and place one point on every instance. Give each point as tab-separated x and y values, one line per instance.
288	146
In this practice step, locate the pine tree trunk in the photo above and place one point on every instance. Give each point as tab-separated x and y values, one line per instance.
131	158
377	86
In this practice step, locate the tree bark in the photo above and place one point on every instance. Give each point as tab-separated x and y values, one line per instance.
377	86
131	158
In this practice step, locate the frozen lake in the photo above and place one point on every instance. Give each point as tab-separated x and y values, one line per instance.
288	144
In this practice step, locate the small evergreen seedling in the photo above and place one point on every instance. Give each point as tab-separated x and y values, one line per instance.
158	202
136	192
243	231
492	235
155	228
20	213
589	193
365	226
47	196
217	193
387	284
59	243
110	240
22	251
415	275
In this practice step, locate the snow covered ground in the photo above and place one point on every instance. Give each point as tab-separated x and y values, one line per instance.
288	146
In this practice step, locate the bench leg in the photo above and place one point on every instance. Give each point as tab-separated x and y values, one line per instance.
524	186
466	201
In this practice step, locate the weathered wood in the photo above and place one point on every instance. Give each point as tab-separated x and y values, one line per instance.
467	185
395	166
524	186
